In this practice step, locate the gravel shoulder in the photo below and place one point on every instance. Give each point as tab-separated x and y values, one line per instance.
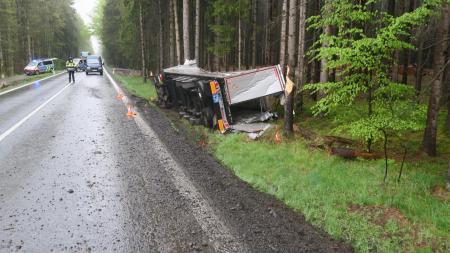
258	220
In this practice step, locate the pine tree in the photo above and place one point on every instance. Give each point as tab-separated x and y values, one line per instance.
290	85
186	37
430	134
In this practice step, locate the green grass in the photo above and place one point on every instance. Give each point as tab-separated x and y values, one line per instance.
345	198
136	86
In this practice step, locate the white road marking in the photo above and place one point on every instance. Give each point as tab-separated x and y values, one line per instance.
219	234
28	84
18	124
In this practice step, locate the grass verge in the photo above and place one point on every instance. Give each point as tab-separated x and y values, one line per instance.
136	86
345	198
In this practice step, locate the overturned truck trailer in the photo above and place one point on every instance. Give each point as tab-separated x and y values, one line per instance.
215	98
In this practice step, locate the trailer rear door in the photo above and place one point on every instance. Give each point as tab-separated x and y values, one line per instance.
254	84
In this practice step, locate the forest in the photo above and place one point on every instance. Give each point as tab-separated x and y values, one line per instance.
384	59
39	29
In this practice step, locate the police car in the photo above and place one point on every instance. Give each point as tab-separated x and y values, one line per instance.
36	67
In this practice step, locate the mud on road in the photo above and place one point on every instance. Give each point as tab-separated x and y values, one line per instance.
258	221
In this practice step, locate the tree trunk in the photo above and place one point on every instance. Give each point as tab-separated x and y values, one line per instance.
406	52
448	177
141	24
197	31
447	121
301	53
399	10
239	39
2	63
161	38
254	20
266	47
177	32
186	39
291	34
391	7
324	62
29	55
419	66
216	59
283	35
429	137
171	32
10	53
290	85
370	112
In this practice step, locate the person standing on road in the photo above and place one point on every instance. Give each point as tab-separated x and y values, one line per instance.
71	66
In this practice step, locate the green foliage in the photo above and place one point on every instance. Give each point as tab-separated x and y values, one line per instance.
117	26
227	14
55	30
224	43
361	53
96	27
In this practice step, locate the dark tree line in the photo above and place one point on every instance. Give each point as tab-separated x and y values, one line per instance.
41	28
242	34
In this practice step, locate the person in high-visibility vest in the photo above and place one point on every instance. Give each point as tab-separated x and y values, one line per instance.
71	67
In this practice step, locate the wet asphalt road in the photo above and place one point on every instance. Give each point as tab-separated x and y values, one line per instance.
79	176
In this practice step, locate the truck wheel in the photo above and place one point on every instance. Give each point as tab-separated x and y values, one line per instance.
101	73
87	73
207	117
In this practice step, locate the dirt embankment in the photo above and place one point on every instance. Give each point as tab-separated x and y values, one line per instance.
263	223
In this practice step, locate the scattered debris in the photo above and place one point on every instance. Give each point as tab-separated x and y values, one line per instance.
351	154
277	137
254	130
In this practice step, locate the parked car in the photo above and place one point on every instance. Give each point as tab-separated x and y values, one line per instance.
36	67
81	66
94	63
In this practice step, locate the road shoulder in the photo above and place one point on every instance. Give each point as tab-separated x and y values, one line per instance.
261	221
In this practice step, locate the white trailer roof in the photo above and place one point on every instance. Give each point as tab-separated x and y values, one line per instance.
240	86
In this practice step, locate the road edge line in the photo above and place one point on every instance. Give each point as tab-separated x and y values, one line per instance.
18	124
222	239
28	84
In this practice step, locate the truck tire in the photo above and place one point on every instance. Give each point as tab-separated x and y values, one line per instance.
207	117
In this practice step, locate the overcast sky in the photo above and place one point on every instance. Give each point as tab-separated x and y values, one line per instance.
85	9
